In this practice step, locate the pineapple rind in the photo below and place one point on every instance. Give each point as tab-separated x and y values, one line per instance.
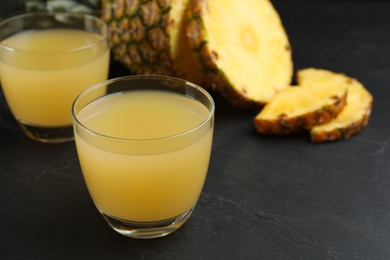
353	118
139	32
298	109
247	72
148	37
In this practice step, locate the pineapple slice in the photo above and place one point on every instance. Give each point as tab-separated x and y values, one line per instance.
296	109
353	118
149	37
242	48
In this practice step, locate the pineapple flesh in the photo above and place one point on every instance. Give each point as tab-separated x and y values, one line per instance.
149	37
297	109
353	118
242	48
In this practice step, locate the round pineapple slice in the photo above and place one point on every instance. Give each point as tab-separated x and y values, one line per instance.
149	37
355	115
242	48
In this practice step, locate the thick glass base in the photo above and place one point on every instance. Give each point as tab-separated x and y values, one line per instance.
147	229
48	134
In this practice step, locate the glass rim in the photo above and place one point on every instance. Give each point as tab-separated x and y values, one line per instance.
53	14
206	94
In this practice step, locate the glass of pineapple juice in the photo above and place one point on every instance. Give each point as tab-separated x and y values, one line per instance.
144	145
46	60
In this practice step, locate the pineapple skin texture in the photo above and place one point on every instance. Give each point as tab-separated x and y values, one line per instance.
263	77
149	37
139	33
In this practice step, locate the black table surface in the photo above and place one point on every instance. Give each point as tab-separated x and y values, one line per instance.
264	197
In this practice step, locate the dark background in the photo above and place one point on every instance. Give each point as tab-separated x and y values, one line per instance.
264	197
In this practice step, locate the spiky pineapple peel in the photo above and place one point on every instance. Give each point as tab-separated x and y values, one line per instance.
309	107
149	37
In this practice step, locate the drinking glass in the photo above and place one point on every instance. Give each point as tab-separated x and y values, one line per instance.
144	145
46	60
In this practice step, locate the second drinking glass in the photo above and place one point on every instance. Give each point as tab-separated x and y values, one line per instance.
46	60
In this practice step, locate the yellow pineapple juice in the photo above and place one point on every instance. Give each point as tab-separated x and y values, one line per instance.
49	68
157	164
